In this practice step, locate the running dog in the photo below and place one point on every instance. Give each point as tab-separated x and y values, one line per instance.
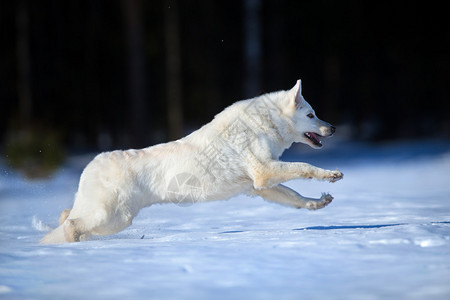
237	152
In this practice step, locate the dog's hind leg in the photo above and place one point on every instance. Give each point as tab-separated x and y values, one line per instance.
286	196
101	221
64	215
74	229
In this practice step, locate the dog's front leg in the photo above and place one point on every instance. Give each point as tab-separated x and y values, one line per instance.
275	172
283	195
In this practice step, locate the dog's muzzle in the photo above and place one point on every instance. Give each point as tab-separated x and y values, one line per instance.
332	130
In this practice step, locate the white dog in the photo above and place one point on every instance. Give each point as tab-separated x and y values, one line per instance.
235	153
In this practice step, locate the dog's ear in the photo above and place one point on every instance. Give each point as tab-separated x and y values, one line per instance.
295	95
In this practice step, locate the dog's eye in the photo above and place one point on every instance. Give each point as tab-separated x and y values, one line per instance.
310	115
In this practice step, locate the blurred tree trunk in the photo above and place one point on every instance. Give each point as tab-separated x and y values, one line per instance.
253	45
276	73
173	73
332	79
23	63
133	20
212	79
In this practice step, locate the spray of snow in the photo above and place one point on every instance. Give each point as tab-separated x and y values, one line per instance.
39	225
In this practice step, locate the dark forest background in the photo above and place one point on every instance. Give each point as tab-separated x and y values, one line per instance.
97	75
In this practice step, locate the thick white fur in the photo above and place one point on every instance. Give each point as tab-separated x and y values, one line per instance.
235	153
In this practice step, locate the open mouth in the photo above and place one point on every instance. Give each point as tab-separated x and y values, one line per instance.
314	138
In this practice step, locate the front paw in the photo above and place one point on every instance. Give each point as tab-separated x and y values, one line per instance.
334	176
320	203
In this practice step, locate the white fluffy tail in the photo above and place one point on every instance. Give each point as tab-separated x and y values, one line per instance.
56	236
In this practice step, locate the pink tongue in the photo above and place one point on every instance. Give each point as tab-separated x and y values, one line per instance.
314	136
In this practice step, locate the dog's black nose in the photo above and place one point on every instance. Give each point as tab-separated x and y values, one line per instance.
333	129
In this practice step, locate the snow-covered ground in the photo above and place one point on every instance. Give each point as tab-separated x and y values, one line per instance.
386	235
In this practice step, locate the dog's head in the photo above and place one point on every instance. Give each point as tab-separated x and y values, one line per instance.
308	128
